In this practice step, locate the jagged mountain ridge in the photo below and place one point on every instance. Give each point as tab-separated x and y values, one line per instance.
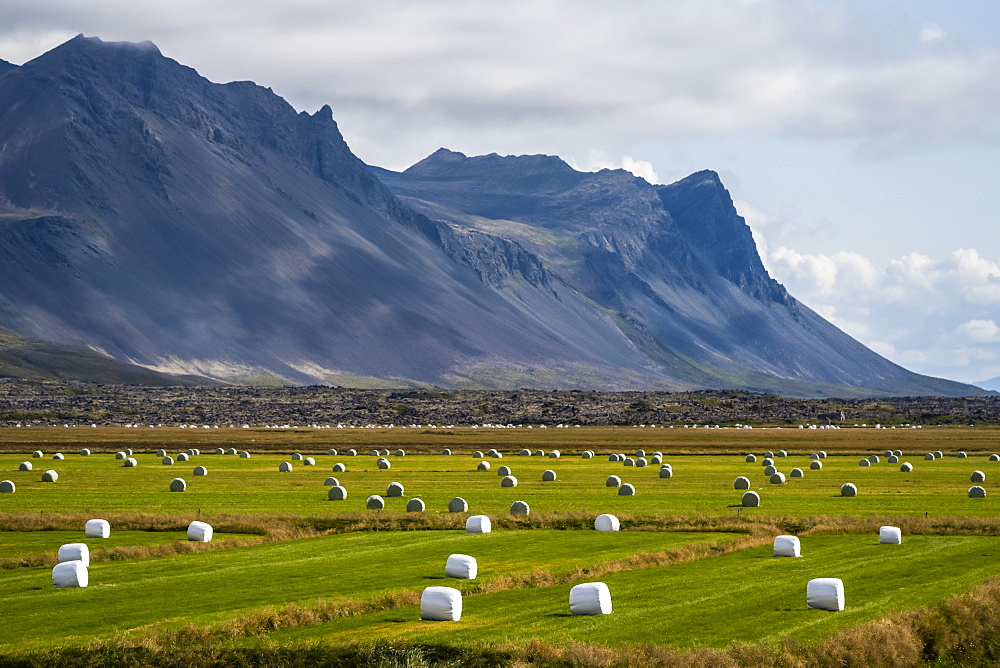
204	228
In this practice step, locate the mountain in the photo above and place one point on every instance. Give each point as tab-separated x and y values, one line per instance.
189	227
993	384
4	65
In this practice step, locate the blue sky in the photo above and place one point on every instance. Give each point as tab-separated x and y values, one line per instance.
861	140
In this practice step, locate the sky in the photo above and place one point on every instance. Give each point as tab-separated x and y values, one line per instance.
860	140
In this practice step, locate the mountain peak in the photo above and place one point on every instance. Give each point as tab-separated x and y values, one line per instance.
4	65
445	162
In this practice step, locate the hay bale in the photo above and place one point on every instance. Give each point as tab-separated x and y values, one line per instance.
892	459
666	472
128	452
24	466
962	455
787	546
458	505
415	506
351	453
898	453
220	451
929	457
816	465
848	489
814	456
548	475
384	463
400	453
394	489
309	461
85	452
178	485
74	552
37	454
332	452
995	458
161	453
741	483
244	455
613	481
751	458
906	467
58	455
822	454
782	453
384	452
519	508
477	454
285	467
446	452
441	604
887	453
297	457
977	476
375	502
492	452
508	481
769	454
590	598
612	457
640	453
890	536
607	523
337	493
588	454
70	574
331	482
183	457
120	455
864	462
50	476
767	461
338	468
977	492
97	529
193	452
525	452
7	487
130	463
373	453
478	524
200	470
200	532
461	566
629	461
938	454
626	489
750	500
777	478
874	459
554	454
231	451
167	461
538	453
656	459
641	462
503	470
483	466
825	594
796	473
770	470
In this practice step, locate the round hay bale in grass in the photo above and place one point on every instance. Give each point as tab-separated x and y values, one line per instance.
441	604
309	461
814	456
24	466
787	546
587	454
554	454
887	453
751	458
478	524
74	552
796	473
498	455
400	453
477	455
890	536
508	481
120	455
864	462
995	458
906	467
446	452
816	465
85	452
332	452
50	476
384	463
70	574
337	493
351	453
128	452
769	454
770	470
37	454
898	453
519	508
130	463
200	470
548	475
778	478
825	594
613	481
962	455
244	455
7	487
492	452
607	523
874	459
97	529
297	457
200	532
750	500
767	461
641	462
503	470
194	451
629	461
938	454
58	455
626	489
339	468
231	451
415	506
613	457
375	502
977	476
384	452
822	454
929	457
666	472
178	485
373	453
483	466
741	483
458	505
167	461
183	457
782	453
892	459
461	566
977	492
656	459
161	453
524	452
848	489
285	467
220	451
394	489
590	598
331	482
538	453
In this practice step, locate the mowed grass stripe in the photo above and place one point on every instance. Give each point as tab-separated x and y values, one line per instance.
745	596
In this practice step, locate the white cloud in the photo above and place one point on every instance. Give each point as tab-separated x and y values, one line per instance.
602	160
979	331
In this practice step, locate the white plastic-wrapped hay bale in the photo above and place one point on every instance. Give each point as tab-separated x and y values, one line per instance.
24	466
244	455
977	492
626	489
519	508
477	454
394	489
483	466
613	457
446	451
384	463
332	452
331	482
351	452
769	454
767	461
816	465
85	452
554	454
58	455
161	453
415	506
848	489
384	452
375	502
339	468
492	452
50	476
297	457
666	472
995	458
613	481
641	462
629	461
741	483
770	470
183	457
503	470
220	451
74	552
508	481
782	453
97	529
607	522
120	455
167	461
898	453
656	459
825	594
548	475
887	453
962	455
864	462
938	454
890	536
200	470
587	454
441	604
130	462
777	478
977	476
458	505
750	500
524	452
193	452
478	524
7	487
822	454
814	456
538	453
231	451
70	574
200	532
37	454
178	485
400	453
892	459
787	546
373	453
640	453
751	458
906	467
590	598
796	473
874	459
337	493
309	461
461	566
285	467
929	457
